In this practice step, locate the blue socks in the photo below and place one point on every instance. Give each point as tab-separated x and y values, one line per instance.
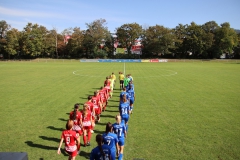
120	156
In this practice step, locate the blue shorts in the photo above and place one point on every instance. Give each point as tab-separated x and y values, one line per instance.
121	141
125	118
131	101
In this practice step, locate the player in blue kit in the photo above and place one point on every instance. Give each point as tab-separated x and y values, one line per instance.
132	97
102	151
111	140
132	85
120	130
124	110
124	92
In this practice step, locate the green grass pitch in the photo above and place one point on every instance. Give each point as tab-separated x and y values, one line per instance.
187	111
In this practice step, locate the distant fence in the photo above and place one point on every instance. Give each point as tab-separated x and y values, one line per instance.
121	60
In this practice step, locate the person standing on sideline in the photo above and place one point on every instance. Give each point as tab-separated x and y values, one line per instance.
121	79
111	140
102	151
70	138
120	130
76	117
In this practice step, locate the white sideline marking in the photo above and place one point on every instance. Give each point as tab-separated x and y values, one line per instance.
171	73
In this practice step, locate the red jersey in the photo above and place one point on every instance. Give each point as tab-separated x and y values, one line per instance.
96	100
77	121
86	120
103	95
90	105
107	82
105	89
69	137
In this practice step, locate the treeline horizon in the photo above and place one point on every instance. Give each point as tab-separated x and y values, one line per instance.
206	41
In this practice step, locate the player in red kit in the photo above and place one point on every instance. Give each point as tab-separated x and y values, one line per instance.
76	117
97	105
104	97
90	105
70	138
87	125
107	84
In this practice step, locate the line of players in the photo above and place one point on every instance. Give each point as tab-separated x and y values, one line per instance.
82	123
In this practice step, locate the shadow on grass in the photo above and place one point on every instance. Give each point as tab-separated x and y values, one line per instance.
56	129
31	144
110	110
62	119
85	154
101	124
84	97
110	116
96	88
50	138
110	106
99	132
111	100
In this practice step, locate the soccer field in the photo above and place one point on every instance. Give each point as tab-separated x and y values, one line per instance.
182	110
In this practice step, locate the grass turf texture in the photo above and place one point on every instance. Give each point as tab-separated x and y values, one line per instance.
182	110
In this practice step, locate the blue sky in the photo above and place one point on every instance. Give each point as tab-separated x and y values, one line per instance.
76	13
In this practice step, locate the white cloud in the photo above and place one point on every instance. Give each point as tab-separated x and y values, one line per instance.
25	13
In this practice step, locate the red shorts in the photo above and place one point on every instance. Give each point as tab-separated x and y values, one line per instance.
87	127
79	133
72	154
97	111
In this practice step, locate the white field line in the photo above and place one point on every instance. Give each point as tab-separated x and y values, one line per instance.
171	73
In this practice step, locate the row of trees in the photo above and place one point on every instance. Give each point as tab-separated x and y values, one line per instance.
184	41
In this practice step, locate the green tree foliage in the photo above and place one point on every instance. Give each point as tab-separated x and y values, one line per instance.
12	45
95	35
4	27
184	41
158	40
237	48
194	39
209	38
75	43
128	33
180	46
33	38
226	39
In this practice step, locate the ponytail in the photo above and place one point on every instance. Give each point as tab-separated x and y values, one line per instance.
76	106
85	110
99	140
74	114
124	98
108	127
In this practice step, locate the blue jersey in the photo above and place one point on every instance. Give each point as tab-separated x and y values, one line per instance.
110	139
131	93
124	108
132	86
96	153
122	93
119	129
